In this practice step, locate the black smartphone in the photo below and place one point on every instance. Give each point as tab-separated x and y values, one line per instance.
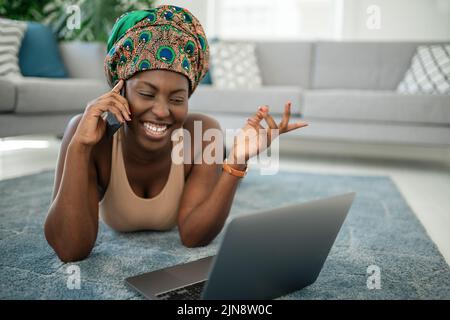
112	124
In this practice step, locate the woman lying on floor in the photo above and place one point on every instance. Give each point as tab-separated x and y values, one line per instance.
131	180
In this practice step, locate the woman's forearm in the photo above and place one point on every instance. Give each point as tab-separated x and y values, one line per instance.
71	225
207	220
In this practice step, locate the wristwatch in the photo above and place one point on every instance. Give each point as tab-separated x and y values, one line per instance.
232	171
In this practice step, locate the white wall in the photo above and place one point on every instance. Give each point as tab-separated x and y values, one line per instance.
400	20
407	20
199	9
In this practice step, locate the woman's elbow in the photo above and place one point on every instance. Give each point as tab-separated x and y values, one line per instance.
191	242
67	258
65	252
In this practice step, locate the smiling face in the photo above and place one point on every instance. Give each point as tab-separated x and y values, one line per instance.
158	101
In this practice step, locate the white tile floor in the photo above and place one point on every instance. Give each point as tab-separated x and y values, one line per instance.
426	187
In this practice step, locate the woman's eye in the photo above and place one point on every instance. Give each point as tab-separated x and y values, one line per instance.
146	94
177	101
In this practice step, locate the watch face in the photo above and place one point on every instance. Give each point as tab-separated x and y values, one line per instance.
234	172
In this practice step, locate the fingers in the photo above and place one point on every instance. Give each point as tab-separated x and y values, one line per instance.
113	99
284	126
255	120
115	108
273	130
116	112
296	125
121	99
264	113
287	114
120	110
123	103
254	123
261	114
118	87
115	92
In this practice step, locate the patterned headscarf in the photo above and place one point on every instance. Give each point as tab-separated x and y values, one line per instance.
166	37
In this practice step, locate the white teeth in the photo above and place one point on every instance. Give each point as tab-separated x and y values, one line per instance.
155	128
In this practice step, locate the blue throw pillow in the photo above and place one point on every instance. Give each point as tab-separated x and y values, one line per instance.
39	54
207	78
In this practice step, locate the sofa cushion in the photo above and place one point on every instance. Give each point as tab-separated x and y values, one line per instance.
246	101
331	130
285	63
235	65
12	32
56	95
7	94
394	60
84	59
374	132
39	54
429	71
387	106
30	124
207	78
360	65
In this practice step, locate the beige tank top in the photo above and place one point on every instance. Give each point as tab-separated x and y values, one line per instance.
124	211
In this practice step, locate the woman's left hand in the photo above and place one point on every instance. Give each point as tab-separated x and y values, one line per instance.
250	140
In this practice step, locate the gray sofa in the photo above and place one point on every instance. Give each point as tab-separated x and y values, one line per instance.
346	91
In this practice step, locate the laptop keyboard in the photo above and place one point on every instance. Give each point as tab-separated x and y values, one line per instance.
190	292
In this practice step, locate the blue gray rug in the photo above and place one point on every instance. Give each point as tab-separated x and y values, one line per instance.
380	230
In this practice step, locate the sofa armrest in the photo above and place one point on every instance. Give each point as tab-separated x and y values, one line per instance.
208	98
8	94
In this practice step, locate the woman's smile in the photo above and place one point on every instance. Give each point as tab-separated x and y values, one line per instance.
155	131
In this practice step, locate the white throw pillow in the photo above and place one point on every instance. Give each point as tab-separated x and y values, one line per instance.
11	35
234	65
429	71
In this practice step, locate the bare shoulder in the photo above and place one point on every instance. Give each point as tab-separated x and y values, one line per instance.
208	122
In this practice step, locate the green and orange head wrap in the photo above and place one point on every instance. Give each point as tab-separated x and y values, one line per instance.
166	37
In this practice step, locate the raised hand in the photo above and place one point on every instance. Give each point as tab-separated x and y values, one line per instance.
253	138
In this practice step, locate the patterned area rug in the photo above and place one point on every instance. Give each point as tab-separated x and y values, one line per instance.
380	230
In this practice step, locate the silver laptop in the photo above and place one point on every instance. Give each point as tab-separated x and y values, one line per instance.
262	255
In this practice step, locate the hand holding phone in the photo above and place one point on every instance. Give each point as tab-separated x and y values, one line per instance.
106	112
112	124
